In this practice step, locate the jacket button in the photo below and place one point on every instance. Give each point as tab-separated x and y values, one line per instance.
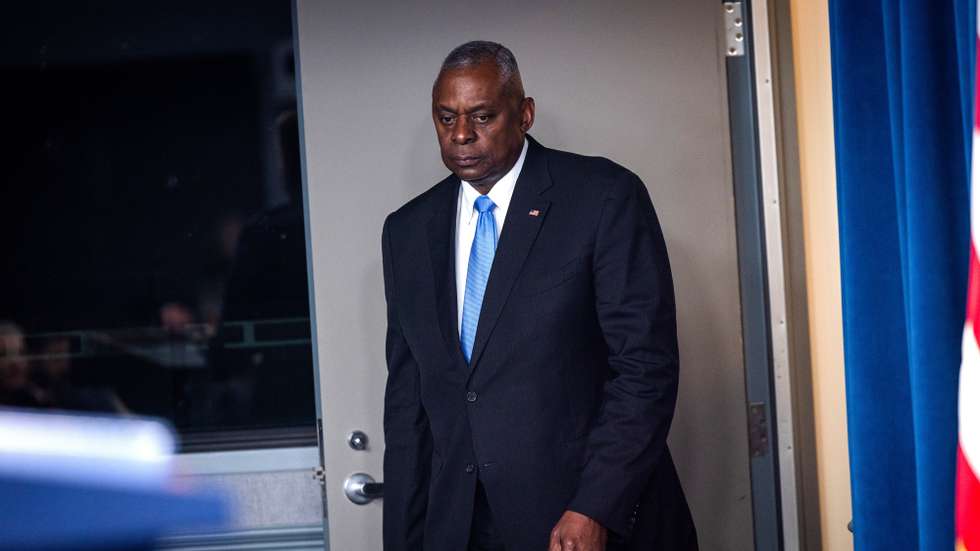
470	467
471	396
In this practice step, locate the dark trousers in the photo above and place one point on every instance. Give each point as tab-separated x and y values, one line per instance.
483	535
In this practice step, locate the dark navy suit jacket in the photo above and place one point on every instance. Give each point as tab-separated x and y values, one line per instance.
569	396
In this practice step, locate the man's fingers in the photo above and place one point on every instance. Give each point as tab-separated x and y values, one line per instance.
555	543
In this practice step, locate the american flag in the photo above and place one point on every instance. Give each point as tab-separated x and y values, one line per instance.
968	454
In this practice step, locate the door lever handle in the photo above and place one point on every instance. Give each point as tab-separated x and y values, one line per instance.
361	488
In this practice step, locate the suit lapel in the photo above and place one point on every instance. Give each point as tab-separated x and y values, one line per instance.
442	252
520	230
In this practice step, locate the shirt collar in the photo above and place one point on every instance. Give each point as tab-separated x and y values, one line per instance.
500	193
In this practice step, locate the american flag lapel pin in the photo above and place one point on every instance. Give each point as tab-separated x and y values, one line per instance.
534	212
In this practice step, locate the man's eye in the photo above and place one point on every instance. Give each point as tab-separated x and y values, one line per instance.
481	118
447	120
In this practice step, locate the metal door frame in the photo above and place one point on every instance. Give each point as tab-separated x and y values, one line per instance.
760	208
202	465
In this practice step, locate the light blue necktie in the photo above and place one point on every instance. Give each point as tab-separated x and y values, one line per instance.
477	272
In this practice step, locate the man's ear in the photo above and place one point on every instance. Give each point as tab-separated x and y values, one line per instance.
527	114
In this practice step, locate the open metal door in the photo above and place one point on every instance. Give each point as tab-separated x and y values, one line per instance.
644	83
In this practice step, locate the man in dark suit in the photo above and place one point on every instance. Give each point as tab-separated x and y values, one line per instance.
531	346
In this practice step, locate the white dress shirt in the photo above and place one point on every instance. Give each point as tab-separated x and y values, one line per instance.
466	217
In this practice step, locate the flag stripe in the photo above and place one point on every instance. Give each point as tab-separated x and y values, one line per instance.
967	505
969	405
972	292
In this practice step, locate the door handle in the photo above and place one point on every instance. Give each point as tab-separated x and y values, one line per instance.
361	488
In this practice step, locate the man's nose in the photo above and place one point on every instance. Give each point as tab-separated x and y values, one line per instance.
463	131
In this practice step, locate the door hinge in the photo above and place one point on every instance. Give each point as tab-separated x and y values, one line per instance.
758	430
734	29
318	473
319	476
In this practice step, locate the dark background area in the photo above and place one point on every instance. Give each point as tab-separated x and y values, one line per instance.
119	177
149	157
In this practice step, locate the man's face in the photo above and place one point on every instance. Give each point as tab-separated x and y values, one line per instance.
480	126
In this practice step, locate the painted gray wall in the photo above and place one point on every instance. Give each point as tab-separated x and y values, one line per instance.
641	82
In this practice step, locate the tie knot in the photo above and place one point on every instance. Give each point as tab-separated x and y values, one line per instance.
484	204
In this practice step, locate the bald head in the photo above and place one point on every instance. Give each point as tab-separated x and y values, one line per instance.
479	52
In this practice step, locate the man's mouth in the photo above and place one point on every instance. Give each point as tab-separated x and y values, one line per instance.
465	161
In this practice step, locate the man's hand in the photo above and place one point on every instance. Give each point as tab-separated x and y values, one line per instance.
577	532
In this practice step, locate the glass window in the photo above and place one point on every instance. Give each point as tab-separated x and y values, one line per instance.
152	223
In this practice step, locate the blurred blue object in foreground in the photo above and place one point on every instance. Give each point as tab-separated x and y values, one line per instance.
81	482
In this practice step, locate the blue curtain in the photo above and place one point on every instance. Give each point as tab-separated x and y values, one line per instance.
903	97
